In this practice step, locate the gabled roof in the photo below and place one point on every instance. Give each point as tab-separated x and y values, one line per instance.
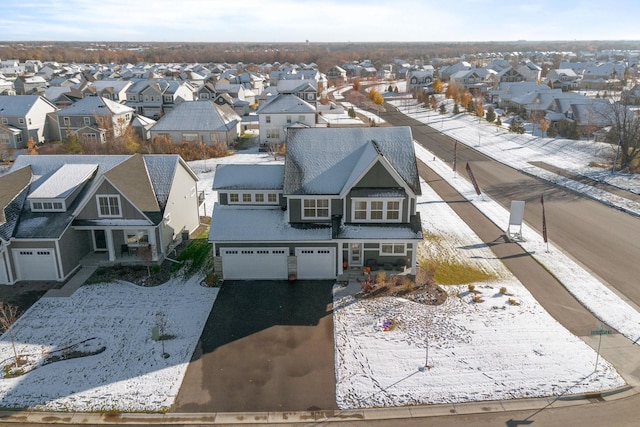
133	181
19	106
198	116
286	104
329	160
14	186
94	106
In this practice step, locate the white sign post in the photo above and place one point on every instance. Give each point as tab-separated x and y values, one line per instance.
515	219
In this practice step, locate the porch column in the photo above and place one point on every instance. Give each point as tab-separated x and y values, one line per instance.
340	259
414	249
151	232
110	248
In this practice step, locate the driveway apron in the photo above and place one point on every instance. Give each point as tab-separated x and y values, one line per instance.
266	346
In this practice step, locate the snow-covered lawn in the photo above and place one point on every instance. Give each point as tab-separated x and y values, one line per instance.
130	374
477	351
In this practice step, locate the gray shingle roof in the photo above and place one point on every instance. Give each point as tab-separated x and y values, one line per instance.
248	177
283	103
326	160
197	116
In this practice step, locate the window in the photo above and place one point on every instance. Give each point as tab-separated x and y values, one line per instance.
4	139
233	198
288	119
272	198
246	198
393	249
168	98
36	206
66	121
137	237
5	121
87	121
376	210
273	133
90	137
315	208
29	120
21	120
267	119
190	137
259	198
47	206
109	206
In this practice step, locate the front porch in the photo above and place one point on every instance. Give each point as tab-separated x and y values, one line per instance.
101	258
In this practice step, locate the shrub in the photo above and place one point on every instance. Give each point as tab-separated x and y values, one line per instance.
503	290
513	302
381	278
477	299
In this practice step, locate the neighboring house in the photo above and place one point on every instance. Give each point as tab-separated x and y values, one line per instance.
153	98
336	76
199	121
509	75
62	96
23	117
6	87
530	71
607	76
344	196
93	118
114	90
142	126
307	90
282	112
476	80
563	78
29	85
57	210
418	79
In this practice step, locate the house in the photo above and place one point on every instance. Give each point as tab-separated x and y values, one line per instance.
563	78
199	121
23	117
56	210
93	118
153	98
344	197
306	90
114	90
336	76
29	85
280	113
419	79
6	87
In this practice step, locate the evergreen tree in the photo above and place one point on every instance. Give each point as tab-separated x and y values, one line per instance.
456	108
491	115
443	108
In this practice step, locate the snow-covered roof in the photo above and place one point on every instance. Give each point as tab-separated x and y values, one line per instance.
63	181
197	116
259	224
284	103
325	160
94	106
17	105
248	177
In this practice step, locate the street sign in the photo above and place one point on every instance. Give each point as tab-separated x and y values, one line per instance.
600	332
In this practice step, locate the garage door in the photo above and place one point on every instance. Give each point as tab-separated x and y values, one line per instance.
316	263
35	264
254	263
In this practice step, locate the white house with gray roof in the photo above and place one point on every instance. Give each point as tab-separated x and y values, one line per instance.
344	198
56	210
280	113
23	117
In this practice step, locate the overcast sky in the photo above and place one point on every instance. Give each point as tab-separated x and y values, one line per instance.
318	20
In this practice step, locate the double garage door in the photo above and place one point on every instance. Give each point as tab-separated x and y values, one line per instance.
35	264
271	263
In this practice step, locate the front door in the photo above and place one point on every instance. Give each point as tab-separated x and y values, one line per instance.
355	255
101	240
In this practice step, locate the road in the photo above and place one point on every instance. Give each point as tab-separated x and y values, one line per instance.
602	239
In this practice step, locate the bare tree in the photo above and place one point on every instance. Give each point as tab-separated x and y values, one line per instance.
8	316
625	135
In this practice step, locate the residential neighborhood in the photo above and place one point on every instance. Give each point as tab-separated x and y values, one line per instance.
271	230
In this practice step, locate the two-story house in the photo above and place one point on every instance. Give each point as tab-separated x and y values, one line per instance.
57	210
23	117
114	90
153	98
93	119
280	113
30	85
336	76
344	198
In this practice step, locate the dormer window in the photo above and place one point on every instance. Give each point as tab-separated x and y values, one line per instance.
47	206
109	206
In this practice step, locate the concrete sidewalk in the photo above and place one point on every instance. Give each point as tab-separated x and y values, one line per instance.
73	283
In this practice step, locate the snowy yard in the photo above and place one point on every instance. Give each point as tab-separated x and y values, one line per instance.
130	374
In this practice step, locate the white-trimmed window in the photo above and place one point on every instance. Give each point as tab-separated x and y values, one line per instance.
288	119
272	198
273	133
246	198
47	206
4	138
375	210
66	121
234	198
109	206
137	237
267	119
190	137
389	249
21	120
90	137
87	121
168	98
315	208
260	198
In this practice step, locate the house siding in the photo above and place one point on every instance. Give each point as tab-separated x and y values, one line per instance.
74	245
182	205
90	211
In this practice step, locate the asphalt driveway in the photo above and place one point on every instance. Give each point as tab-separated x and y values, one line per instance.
267	346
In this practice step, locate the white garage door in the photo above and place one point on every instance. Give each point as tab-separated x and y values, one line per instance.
35	264
316	263
254	263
